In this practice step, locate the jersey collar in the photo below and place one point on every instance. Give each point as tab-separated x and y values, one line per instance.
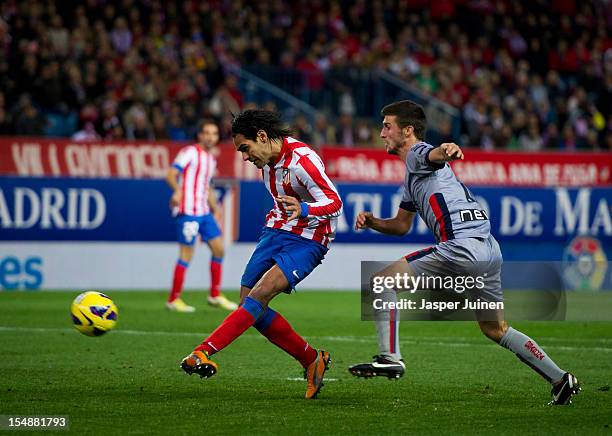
284	149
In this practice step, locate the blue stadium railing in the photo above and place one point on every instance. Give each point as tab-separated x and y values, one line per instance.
260	91
369	91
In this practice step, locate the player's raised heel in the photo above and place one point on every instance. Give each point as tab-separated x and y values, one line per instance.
199	363
563	392
380	366
315	373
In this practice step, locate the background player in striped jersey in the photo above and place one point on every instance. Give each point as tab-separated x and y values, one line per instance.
465	247
297	234
194	204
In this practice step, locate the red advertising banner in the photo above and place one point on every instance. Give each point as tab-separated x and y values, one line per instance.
38	157
42	157
480	168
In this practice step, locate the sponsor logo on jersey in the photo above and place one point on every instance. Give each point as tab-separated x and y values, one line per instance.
473	215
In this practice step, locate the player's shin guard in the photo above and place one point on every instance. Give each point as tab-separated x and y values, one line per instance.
532	354
387	327
216	267
278	331
233	326
177	281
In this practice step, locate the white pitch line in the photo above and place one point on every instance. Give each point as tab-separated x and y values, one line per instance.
461	341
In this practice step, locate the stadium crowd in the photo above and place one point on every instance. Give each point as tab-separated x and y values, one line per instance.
524	75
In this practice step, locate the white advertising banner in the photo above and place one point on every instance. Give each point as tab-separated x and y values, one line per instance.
149	266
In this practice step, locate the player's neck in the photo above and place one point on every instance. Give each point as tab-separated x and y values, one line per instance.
403	152
276	146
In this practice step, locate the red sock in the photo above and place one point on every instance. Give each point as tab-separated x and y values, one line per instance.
233	326
177	281
278	331
215	276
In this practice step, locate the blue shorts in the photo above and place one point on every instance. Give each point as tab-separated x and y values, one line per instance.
189	227
294	255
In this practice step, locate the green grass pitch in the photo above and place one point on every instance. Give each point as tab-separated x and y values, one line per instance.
129	381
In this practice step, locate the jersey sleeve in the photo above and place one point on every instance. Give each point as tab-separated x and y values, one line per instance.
310	172
417	161
407	203
182	159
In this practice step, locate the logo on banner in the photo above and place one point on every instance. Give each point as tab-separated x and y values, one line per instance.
584	264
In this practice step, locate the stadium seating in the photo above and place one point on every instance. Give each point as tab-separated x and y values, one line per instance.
522	75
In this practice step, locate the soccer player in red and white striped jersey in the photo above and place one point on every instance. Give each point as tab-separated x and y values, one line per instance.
298	232
194	203
299	177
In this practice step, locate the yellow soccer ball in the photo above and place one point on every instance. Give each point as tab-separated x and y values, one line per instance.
93	313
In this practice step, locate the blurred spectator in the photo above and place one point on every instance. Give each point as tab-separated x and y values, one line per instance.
87	133
5	123
176	129
323	132
110	126
137	124
28	120
568	138
224	99
364	136
59	36
551	139
345	136
121	37
531	140
302	130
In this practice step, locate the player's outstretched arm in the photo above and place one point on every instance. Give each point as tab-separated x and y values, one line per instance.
398	225
446	152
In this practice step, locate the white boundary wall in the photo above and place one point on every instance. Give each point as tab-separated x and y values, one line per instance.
112	266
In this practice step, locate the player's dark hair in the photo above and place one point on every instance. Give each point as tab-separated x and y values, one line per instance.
251	121
408	113
206	122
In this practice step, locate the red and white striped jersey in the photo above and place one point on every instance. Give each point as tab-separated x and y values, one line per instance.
299	172
197	167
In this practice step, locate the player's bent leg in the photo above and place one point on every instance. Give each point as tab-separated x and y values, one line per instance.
216	247
279	331
186	252
244	292
388	363
494	330
387	320
565	385
199	362
272	283
215	297
175	303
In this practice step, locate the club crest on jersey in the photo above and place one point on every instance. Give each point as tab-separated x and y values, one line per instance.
286	176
